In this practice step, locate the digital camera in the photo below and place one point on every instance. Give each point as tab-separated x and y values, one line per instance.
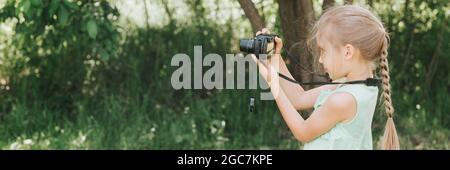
261	44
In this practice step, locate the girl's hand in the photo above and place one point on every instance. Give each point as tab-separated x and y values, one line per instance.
266	70
276	61
278	41
267	67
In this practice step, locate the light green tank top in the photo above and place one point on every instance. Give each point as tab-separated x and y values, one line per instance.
353	134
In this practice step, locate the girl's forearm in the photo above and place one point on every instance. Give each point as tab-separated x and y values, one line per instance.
290	115
295	90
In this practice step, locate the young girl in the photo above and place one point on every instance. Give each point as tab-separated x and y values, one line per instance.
352	42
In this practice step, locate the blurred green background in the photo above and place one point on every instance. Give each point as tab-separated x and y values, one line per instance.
96	75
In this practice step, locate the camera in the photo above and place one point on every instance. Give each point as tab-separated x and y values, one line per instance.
261	44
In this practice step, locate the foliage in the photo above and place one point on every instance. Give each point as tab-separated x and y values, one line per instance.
73	77
57	43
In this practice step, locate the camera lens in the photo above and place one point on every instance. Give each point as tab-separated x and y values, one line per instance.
246	45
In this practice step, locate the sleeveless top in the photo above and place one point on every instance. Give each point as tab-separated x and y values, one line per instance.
355	133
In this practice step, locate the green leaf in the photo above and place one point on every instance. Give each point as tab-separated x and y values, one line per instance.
91	27
36	3
17	10
71	5
26	6
104	55
54	5
63	16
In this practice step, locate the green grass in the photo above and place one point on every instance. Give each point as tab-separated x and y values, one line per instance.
218	121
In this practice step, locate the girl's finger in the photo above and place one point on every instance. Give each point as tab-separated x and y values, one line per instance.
265	31
277	40
257	33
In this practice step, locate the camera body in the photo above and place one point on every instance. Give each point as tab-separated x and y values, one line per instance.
261	44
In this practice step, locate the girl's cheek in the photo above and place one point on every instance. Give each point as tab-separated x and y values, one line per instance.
327	64
329	68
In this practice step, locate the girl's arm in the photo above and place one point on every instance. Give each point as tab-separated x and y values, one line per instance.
299	98
338	107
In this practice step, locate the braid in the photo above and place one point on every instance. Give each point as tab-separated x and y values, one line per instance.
385	78
390	138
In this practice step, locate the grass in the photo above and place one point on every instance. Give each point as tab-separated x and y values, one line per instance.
218	121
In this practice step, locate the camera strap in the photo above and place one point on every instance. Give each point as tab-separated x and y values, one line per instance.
368	82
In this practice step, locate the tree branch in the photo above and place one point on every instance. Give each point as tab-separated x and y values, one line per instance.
252	14
437	52
168	10
146	14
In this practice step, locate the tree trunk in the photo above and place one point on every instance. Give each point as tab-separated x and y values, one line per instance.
252	14
348	2
297	19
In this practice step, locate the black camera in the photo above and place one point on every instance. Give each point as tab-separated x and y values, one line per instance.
261	44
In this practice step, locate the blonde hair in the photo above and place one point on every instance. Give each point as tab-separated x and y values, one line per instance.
357	26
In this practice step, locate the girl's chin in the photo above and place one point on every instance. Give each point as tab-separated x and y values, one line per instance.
330	76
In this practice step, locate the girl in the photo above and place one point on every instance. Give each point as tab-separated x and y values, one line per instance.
352	42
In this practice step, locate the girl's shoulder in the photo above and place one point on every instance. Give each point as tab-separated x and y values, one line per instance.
360	92
343	103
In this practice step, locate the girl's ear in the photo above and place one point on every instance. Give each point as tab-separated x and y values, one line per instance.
349	51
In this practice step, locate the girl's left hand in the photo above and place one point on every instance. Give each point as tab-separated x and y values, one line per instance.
266	70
